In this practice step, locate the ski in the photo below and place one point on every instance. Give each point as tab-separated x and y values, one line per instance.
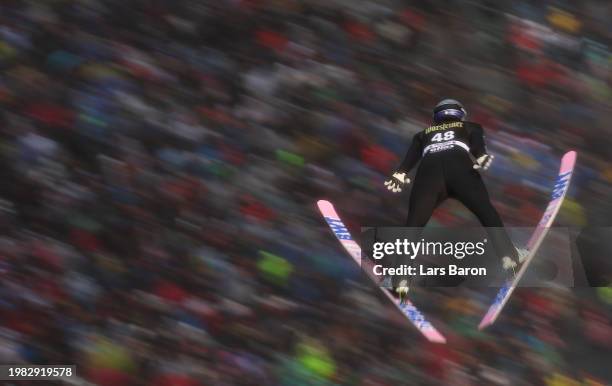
354	250
558	194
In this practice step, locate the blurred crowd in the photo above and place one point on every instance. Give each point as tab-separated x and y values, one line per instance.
161	161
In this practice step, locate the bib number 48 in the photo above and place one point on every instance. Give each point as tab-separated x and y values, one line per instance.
446	136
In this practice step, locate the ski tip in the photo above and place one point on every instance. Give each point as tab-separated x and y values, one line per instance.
570	156
568	161
325	205
570	153
436	338
488	319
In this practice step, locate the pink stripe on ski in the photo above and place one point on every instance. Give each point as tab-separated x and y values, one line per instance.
567	166
345	238
561	187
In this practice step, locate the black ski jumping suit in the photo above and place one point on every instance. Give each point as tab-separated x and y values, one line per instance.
446	170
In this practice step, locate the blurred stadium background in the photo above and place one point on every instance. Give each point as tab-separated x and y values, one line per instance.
161	159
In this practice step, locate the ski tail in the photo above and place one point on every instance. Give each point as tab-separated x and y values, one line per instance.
558	195
354	250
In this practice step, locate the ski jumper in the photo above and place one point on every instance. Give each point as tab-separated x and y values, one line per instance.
446	171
